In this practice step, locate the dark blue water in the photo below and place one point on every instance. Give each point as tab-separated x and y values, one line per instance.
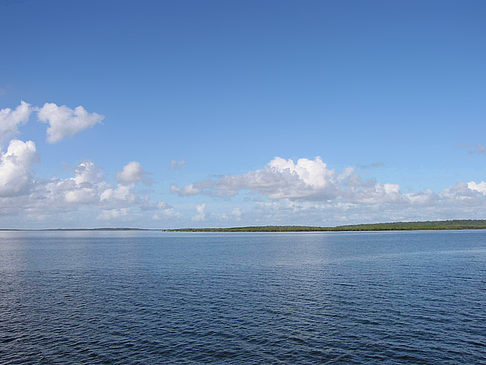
148	298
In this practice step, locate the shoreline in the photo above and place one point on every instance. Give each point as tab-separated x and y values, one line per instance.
445	225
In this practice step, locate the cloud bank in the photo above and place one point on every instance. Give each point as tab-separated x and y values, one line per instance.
82	197
284	191
308	187
85	195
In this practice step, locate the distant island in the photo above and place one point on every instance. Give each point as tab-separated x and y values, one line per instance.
395	226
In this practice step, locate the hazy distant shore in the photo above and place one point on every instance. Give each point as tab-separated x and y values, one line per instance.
77	229
395	226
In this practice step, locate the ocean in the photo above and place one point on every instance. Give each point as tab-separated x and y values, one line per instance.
243	298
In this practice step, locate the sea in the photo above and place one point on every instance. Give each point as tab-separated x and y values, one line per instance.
153	297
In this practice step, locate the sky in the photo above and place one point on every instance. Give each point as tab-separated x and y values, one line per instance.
166	114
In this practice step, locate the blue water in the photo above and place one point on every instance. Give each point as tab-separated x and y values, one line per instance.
149	298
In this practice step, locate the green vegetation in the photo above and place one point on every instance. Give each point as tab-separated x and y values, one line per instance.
396	226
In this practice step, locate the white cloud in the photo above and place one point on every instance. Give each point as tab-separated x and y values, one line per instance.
132	173
81	201
308	188
303	180
200	213
279	179
82	195
65	122
85	186
304	191
88	172
481	187
15	168
122	193
10	120
174	164
89	187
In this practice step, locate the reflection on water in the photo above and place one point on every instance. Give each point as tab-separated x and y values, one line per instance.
150	297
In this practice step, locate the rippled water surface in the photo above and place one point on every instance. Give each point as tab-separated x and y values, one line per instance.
148	298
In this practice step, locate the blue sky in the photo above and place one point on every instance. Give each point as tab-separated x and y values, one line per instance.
389	94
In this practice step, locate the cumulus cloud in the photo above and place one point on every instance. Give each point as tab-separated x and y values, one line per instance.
279	179
290	187
82	195
88	187
481	187
11	119
174	164
80	200
88	172
132	173
85	195
84	187
200	213
306	179
65	122
122	193
15	168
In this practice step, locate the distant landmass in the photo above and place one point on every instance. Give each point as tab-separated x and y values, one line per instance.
395	226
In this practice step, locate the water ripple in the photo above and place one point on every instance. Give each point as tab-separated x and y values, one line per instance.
236	299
